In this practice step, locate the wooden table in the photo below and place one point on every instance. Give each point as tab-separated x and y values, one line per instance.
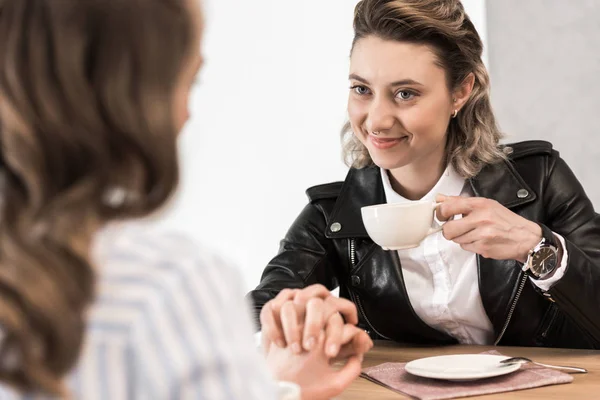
585	386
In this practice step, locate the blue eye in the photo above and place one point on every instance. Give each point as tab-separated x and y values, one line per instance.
360	90
405	94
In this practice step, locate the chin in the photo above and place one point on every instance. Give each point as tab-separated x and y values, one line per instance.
389	161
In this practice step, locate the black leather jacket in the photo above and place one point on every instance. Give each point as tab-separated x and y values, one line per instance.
549	194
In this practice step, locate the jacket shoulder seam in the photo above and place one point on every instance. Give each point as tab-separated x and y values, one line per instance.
324	191
528	148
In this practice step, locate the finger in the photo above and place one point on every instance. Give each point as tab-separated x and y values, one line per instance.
300	315
291	328
333	332
466	238
275	331
281	298
342	306
457	205
487	234
357	338
265	343
271	326
313	323
345	376
354	341
317	290
475	247
457	228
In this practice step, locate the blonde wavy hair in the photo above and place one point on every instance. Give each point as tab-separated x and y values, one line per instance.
443	25
87	136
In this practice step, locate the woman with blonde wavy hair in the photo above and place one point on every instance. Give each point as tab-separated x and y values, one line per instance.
518	264
93	94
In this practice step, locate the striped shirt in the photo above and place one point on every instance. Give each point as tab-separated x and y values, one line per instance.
169	322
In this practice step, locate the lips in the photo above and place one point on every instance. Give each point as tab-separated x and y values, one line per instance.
386	143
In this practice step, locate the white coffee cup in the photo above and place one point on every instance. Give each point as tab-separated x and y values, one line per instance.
399	226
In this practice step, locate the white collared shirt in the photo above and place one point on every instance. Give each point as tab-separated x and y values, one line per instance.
441	278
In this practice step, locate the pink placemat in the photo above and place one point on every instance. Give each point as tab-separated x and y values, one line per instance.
395	377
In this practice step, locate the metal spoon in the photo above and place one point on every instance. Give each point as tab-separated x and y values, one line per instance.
523	360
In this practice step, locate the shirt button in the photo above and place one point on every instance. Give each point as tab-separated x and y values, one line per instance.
336	227
522	193
355	279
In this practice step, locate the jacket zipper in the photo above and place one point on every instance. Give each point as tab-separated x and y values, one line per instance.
552	318
512	308
502	332
355	297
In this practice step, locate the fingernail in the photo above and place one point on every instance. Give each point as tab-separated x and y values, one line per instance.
280	343
296	348
332	350
309	343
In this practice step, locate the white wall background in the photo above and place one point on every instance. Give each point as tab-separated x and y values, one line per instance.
266	121
545	80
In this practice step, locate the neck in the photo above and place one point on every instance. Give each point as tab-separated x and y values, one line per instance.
415	180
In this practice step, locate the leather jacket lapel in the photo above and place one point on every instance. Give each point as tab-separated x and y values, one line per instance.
502	183
362	187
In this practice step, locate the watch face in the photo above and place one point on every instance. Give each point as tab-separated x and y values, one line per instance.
544	260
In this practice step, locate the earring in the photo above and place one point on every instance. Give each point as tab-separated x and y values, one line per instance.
116	197
454	113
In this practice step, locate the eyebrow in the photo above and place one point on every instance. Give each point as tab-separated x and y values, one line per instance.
396	83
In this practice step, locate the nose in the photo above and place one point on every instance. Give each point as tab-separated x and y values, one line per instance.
381	116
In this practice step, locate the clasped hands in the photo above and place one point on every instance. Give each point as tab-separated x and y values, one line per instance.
305	332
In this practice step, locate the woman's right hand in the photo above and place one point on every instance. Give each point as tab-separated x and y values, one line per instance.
296	317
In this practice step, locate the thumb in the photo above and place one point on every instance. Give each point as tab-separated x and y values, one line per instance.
342	378
265	342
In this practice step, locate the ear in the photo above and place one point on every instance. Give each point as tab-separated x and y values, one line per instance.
461	94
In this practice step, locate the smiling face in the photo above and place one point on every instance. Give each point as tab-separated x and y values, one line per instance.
399	103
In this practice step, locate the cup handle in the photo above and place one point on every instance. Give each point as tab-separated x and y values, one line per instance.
434	230
440	223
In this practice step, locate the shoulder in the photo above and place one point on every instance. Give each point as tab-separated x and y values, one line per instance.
142	245
355	176
155	269
529	148
533	158
168	302
324	191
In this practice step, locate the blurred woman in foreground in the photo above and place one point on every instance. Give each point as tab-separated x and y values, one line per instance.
93	95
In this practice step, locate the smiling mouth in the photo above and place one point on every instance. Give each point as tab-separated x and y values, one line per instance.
383	139
386	143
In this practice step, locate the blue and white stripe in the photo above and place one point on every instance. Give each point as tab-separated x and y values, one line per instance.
170	322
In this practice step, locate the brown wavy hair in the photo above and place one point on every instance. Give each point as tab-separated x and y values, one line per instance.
443	25
87	136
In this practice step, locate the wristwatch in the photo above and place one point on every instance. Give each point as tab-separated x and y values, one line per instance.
543	259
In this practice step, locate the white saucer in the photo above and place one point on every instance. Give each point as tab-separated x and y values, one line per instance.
461	367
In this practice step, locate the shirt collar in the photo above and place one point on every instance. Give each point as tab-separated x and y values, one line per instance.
449	184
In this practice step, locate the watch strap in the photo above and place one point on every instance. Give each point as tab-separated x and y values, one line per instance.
549	236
